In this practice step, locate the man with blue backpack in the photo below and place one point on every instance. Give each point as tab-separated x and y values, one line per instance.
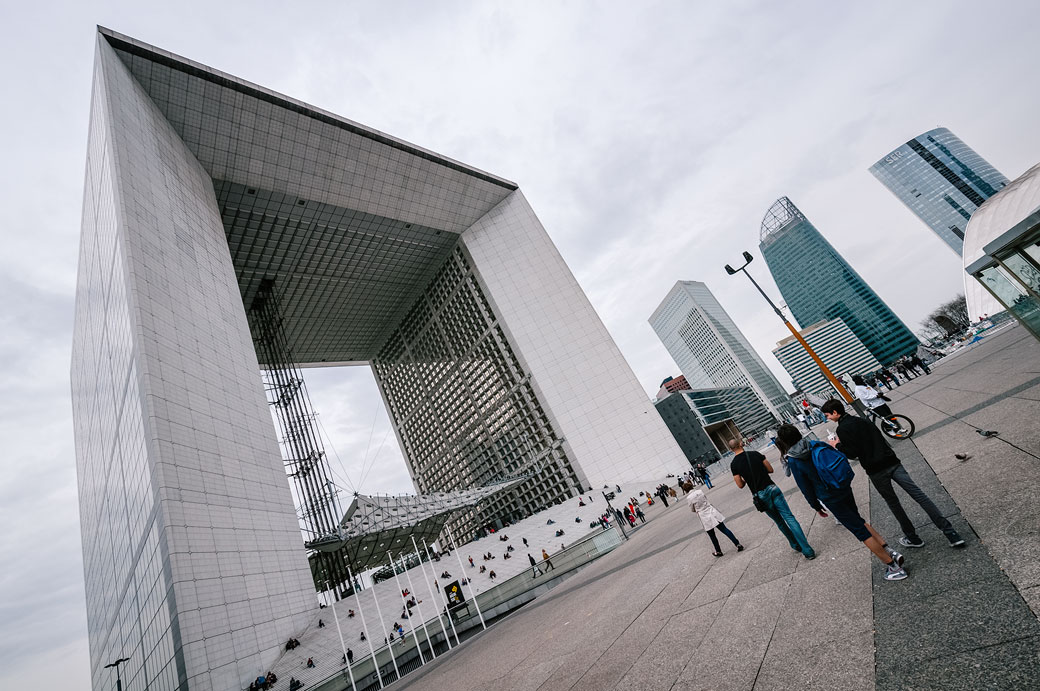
824	475
859	438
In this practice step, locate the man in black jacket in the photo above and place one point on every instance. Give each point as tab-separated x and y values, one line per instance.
859	438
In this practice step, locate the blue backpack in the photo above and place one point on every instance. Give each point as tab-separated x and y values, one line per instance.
831	465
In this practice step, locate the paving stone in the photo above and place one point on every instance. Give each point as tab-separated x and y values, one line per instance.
1011	665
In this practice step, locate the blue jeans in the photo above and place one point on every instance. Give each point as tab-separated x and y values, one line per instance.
780	512
707	480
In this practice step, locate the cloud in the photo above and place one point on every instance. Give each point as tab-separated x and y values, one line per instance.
649	137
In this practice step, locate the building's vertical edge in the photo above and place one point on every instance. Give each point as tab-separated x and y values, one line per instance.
216	578
589	390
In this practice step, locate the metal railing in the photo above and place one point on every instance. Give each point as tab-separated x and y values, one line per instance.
503	598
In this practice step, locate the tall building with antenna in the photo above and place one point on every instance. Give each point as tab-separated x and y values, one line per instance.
819	285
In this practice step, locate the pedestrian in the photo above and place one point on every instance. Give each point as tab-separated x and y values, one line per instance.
751	469
918	362
535	571
803	420
525	541
870	398
711	519
545	558
662	492
702	471
858	438
892	378
640	515
823	475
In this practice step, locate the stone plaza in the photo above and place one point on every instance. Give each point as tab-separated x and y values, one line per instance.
660	612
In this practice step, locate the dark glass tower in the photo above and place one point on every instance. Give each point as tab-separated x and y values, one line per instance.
942	180
818	284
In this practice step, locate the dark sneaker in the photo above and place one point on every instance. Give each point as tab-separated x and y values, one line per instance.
894	572
907	542
810	556
955	540
740	548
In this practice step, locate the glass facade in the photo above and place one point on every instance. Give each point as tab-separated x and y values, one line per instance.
736	403
685	425
128	586
942	180
709	348
819	285
463	406
836	345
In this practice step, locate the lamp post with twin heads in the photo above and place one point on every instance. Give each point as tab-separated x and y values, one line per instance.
119	680
838	386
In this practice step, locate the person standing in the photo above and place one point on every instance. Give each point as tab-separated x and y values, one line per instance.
918	362
662	492
751	469
702	473
535	571
858	438
837	495
711	519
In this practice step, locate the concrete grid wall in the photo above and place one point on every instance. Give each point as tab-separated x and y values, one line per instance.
590	392
240	581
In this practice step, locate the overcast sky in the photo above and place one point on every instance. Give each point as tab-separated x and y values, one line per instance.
649	137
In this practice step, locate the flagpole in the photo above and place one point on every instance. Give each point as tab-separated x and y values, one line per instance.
446	603
433	591
342	644
375	663
422	660
469	581
418	606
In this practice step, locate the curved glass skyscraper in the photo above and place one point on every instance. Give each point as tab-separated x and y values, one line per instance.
818	284
942	180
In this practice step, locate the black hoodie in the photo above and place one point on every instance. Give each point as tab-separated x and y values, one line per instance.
861	439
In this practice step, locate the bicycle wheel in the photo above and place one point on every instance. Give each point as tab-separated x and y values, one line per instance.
897	426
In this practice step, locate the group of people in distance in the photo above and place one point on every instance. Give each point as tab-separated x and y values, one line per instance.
905	367
824	477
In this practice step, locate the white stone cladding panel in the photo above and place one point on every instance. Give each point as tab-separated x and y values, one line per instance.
231	530
588	388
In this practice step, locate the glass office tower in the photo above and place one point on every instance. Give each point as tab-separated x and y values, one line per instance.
819	285
710	350
942	180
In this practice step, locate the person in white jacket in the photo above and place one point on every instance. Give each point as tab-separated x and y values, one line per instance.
711	519
870	397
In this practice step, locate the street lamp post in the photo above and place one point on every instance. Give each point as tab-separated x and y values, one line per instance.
119	680
838	386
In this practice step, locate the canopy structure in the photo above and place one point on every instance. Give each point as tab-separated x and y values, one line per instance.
374	525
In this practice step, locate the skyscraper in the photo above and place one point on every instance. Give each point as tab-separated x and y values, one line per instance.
836	345
709	348
818	284
942	180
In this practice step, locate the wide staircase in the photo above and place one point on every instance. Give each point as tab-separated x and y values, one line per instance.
425	582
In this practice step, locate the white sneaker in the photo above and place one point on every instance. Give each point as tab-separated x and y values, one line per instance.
894	572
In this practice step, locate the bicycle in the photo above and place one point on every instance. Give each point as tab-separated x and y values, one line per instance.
894	426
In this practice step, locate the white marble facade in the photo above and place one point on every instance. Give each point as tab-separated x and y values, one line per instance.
193	555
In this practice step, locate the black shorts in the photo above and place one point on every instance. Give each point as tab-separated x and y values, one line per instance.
843	506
